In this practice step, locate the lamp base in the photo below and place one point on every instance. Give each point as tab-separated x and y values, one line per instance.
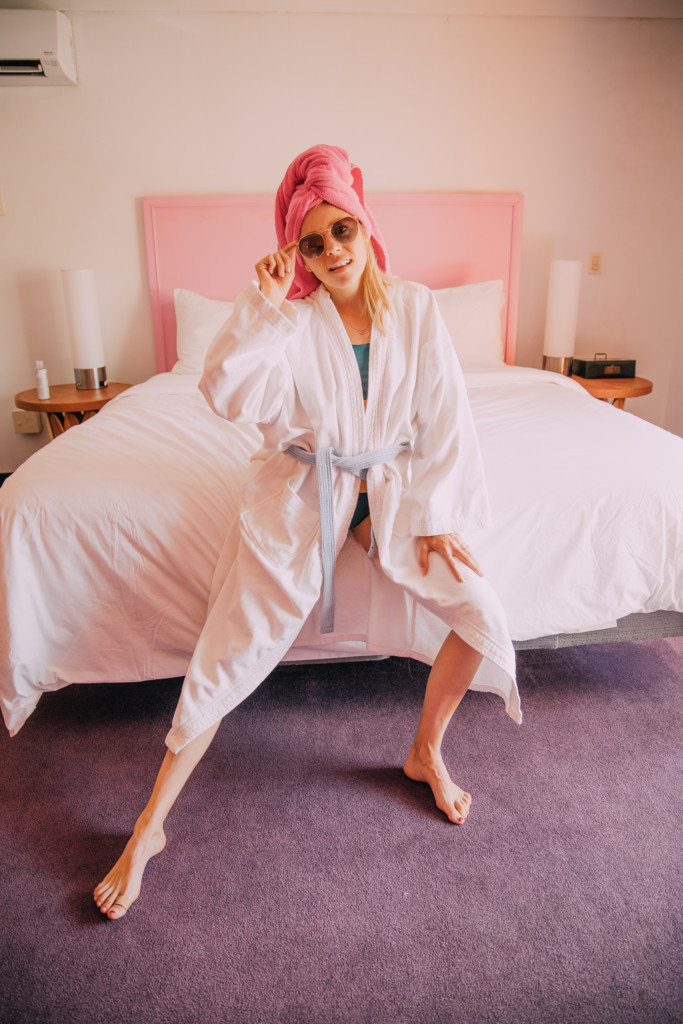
89	379
558	364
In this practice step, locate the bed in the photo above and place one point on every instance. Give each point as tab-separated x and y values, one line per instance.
110	534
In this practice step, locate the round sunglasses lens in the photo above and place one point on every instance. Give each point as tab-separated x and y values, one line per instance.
311	246
345	230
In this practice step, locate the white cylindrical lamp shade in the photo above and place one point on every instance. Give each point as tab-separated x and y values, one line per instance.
562	313
87	350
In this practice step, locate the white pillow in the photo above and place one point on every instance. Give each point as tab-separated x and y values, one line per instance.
472	314
198	321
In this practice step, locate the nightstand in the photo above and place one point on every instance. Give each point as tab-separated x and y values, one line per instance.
67	404
616	390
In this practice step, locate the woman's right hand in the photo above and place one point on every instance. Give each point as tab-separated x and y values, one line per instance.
276	273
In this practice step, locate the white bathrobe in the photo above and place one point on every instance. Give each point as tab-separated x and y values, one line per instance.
293	373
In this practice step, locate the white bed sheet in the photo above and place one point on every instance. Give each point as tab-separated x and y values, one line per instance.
109	535
587	504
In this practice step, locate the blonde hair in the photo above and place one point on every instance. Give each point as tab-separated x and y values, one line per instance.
375	285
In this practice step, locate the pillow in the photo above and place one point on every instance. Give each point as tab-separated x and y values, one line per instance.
472	314
198	321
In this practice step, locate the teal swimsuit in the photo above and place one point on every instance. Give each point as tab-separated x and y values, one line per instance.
362	354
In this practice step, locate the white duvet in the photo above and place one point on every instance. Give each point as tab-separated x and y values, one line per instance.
109	535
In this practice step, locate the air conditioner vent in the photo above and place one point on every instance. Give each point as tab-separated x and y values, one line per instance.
21	67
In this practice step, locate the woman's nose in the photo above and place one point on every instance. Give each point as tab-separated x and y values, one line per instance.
332	243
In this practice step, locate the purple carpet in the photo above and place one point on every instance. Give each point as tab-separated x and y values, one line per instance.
306	881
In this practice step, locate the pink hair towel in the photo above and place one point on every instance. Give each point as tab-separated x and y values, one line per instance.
321	174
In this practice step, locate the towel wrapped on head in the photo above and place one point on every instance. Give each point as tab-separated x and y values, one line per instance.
321	174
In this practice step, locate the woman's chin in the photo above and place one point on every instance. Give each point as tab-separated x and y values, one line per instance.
347	280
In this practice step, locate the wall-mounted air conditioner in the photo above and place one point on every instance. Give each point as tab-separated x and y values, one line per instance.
36	48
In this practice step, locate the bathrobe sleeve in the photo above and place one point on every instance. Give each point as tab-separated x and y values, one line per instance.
448	490
247	376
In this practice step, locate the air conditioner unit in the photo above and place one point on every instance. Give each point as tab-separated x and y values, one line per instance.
36	48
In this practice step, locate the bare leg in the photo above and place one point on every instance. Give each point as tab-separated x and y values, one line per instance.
121	886
451	675
449	680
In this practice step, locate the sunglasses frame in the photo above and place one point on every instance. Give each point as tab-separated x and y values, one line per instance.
321	235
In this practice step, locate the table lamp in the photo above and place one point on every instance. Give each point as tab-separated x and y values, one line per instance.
561	315
84	329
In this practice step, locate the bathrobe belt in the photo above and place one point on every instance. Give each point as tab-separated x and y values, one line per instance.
323	460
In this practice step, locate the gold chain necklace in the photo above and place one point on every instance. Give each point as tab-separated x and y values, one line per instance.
366	330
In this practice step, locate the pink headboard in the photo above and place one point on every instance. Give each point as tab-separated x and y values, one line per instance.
209	245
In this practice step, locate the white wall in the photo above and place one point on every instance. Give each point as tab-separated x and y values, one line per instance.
582	115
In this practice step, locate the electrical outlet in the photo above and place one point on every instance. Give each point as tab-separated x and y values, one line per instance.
595	263
26	422
3	211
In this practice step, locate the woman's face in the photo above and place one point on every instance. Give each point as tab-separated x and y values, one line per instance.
341	265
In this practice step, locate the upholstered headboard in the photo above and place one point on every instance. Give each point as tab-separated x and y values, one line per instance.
209	245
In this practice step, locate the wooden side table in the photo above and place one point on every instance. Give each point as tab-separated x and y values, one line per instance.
67	404
615	390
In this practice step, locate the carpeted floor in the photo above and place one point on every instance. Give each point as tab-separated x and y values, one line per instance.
306	881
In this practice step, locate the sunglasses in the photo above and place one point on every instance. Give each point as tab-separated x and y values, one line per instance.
313	245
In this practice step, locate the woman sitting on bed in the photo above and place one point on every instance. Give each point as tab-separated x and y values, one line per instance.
388	454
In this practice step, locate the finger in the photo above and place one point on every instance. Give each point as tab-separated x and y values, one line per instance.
445	552
266	265
287	252
263	275
280	264
460	550
452	565
292	251
423	556
466	556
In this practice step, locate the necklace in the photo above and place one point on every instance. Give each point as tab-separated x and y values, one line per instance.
366	330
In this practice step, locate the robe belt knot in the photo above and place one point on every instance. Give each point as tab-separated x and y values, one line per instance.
324	459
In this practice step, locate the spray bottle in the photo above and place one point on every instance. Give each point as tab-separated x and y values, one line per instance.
41	380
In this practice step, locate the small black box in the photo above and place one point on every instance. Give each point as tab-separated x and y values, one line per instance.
600	366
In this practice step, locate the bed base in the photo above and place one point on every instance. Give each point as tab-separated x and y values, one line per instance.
640	626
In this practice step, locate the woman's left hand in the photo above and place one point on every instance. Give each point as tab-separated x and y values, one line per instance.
452	548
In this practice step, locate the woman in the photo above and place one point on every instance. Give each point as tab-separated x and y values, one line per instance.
402	475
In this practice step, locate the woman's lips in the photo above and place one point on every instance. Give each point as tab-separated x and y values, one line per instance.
341	265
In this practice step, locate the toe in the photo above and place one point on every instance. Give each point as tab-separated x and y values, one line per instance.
455	814
461	809
105	888
101	900
118	910
108	902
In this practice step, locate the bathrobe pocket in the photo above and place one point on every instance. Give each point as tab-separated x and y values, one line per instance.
280	528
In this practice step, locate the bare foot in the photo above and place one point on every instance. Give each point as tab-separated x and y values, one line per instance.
121	886
450	799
